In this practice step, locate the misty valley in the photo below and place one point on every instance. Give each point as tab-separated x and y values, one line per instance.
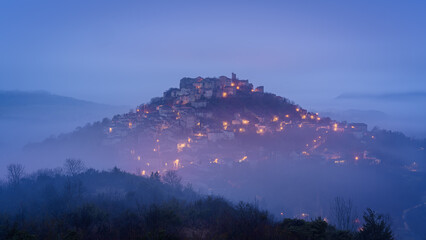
216	158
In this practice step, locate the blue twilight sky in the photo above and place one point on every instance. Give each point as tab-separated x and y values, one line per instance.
126	52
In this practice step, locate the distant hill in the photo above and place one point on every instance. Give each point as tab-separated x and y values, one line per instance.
47	107
395	96
372	117
33	116
404	110
18	98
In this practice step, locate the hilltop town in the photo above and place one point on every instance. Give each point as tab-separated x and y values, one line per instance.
225	136
216	120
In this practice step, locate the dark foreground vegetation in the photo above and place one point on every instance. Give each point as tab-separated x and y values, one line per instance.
74	203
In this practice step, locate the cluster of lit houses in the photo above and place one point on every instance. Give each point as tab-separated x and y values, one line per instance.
197	91
166	133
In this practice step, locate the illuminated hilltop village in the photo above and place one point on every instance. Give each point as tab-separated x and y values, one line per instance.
227	121
224	136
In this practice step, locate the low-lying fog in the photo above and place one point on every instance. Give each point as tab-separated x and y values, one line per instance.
28	117
402	112
281	186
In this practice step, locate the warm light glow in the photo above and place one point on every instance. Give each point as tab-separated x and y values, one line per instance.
189	140
110	130
241	130
225	125
245	122
352	126
130	125
176	163
356	158
303	116
232	84
372	137
224	94
216	161
300	125
154	150
252	90
339	161
335	127
297	109
139	158
158	140
312	117
181	146
287	115
318	118
143	173
260	131
242	159
199	135
238	87
137	109
275	119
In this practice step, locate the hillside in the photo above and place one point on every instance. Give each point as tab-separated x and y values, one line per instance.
195	124
226	137
40	106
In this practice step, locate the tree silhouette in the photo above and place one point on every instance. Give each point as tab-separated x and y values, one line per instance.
376	227
172	179
343	214
74	166
155	176
15	172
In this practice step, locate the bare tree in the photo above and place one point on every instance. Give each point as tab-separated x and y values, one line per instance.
74	166
15	172
343	214
172	179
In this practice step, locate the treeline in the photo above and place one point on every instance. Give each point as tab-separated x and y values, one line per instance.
75	203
